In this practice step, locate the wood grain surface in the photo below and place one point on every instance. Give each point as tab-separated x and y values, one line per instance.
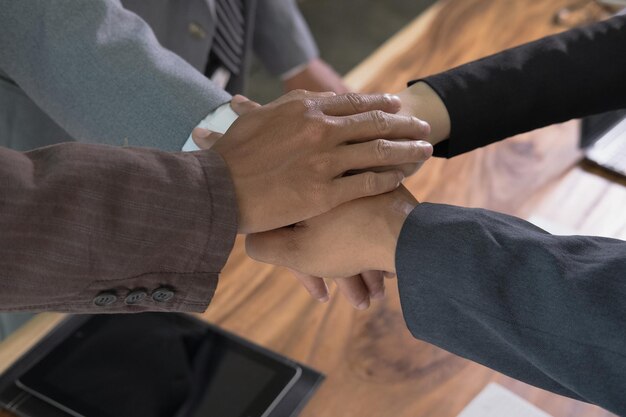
373	365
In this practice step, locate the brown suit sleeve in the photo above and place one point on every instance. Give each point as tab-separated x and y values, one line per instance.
82	227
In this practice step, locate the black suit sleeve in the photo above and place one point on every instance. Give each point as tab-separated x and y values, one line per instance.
573	74
547	310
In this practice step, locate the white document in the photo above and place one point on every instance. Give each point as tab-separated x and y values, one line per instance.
218	121
497	401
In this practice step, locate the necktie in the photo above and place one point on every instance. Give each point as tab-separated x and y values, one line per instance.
229	34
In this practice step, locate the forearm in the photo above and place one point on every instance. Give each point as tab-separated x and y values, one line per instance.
543	309
554	79
98	71
316	75
80	220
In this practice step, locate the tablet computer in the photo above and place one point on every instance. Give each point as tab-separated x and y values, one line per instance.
155	364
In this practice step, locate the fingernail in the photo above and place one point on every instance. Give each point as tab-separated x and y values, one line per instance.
238	98
426	128
324	299
427	148
203	133
364	305
394	99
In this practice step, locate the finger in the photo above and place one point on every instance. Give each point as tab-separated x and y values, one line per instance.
242	105
364	185
378	124
204	138
406	169
355	291
389	275
353	103
302	94
382	153
375	283
314	285
268	247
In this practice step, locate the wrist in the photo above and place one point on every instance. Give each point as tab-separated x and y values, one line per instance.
398	209
421	101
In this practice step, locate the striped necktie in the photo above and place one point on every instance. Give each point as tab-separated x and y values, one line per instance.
229	34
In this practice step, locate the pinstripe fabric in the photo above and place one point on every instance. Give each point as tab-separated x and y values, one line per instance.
229	34
77	220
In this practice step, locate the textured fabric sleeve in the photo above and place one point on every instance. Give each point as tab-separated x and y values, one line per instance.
81	220
99	72
576	73
547	310
282	39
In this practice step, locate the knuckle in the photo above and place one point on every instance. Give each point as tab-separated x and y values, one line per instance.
370	183
357	102
381	121
309	103
322	127
383	149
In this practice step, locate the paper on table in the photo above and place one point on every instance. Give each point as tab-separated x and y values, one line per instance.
497	401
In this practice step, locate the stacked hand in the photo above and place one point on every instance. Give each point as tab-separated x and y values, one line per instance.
288	161
355	238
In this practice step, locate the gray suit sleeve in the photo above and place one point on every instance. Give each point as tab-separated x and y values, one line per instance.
282	39
544	309
99	72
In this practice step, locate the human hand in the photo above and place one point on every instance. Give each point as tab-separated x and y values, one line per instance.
287	159
316	76
420	100
359	290
354	238
205	138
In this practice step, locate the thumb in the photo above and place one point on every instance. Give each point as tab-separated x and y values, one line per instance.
204	138
242	105
274	247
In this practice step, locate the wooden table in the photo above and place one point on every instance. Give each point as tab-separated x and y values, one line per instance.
373	366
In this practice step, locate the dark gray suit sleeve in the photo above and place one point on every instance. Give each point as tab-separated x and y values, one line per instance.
100	73
557	78
544	309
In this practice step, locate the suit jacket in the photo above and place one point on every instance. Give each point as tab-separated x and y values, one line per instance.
103	229
546	310
126	73
113	73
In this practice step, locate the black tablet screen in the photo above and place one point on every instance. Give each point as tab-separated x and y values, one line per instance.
160	365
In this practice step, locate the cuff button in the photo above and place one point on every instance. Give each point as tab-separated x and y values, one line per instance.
162	295
105	299
135	296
